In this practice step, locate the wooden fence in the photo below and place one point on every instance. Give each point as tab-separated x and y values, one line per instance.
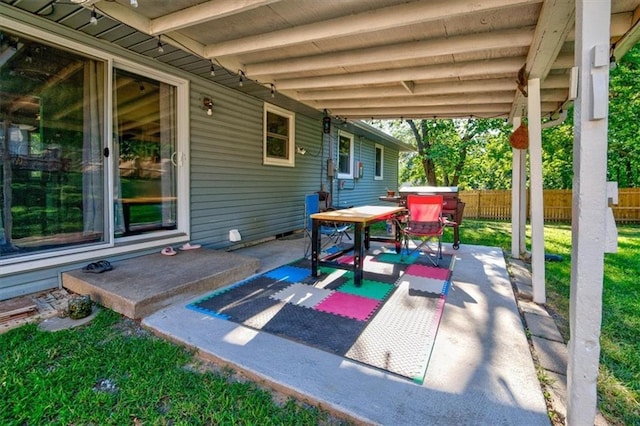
557	205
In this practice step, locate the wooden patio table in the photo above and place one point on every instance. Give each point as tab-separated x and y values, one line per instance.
362	218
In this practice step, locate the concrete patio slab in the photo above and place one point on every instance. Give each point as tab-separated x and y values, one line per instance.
139	286
481	370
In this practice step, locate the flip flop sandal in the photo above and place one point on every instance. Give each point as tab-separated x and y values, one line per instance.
169	251
93	268
189	246
105	265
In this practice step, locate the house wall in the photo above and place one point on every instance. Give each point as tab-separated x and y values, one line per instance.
229	186
366	190
231	189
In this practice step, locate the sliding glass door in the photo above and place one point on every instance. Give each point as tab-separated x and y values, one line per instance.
89	150
52	139
145	150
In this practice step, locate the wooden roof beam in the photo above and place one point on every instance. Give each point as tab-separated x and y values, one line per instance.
556	21
554	95
409	86
487	67
362	23
494	110
620	24
443	88
560	81
142	24
203	12
419	116
630	37
396	52
427	111
419	101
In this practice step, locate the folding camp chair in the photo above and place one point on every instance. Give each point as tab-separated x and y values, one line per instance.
424	222
333	230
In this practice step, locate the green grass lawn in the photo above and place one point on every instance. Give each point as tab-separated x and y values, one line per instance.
619	381
114	372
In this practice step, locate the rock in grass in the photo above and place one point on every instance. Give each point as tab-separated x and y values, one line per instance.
79	307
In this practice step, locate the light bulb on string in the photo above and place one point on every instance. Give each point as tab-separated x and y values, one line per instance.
94	17
160	48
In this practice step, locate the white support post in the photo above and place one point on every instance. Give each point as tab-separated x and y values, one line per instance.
589	209
516	165
537	207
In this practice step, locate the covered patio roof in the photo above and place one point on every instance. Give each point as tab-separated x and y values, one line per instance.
359	59
392	59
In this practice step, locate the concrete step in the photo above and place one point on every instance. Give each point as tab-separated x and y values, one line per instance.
139	286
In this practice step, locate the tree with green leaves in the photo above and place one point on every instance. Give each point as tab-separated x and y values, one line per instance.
446	148
476	154
624	121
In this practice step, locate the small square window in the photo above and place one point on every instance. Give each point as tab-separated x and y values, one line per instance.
279	131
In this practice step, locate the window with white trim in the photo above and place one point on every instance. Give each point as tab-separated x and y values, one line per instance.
379	163
345	155
279	137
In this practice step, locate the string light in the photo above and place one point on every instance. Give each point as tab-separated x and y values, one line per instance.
160	48
134	3
273	91
212	71
240	81
94	17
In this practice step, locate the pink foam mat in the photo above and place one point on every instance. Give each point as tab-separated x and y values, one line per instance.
348	305
345	259
428	272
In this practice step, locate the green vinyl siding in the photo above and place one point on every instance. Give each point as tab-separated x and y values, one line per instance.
229	187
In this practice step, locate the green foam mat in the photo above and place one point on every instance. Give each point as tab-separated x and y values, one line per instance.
371	289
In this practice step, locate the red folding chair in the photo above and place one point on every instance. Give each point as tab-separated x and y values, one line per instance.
425	224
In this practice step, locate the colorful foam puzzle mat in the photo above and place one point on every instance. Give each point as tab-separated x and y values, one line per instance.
390	322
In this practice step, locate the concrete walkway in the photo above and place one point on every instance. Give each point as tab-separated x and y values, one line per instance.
481	370
548	344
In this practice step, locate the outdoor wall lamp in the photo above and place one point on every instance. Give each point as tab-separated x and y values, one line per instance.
207	104
326	122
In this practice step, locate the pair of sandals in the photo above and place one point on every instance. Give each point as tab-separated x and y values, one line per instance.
169	251
98	267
